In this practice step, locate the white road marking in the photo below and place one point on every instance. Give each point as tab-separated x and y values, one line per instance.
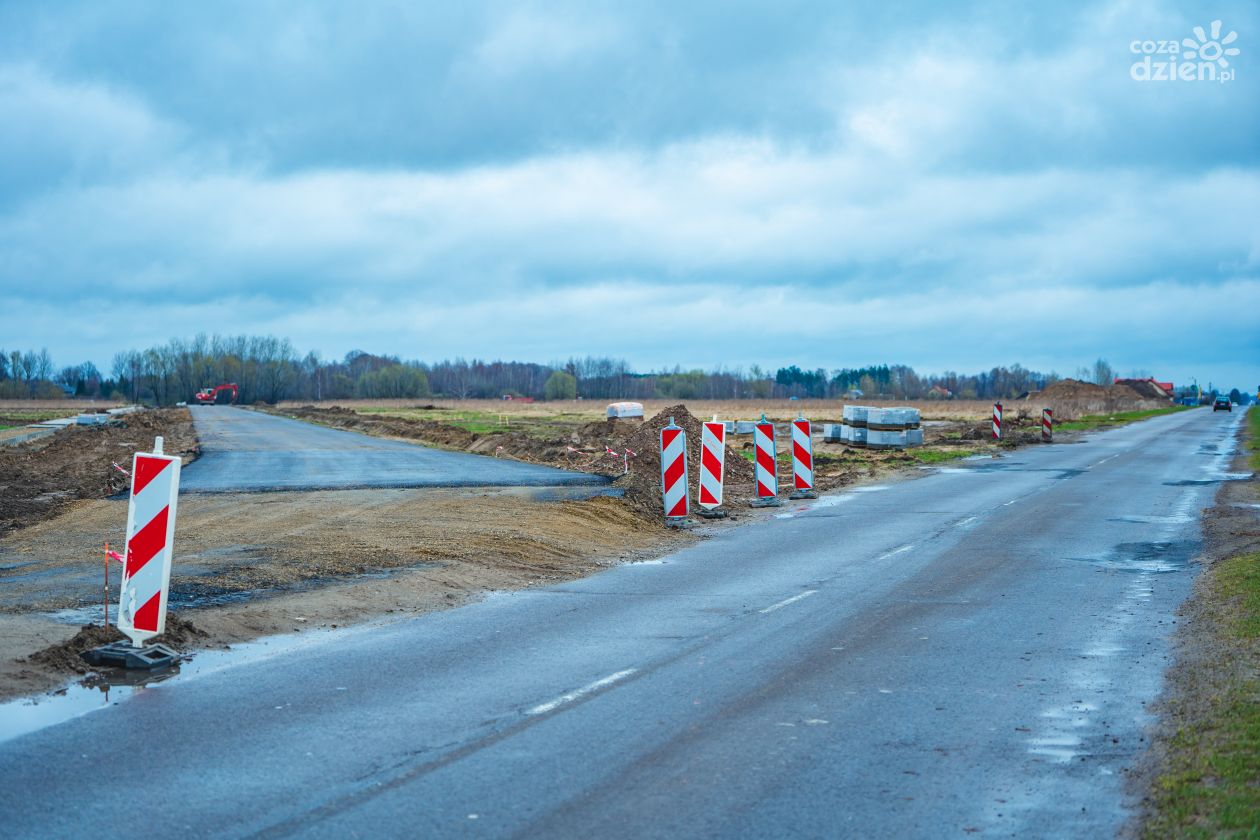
896	551
966	521
552	705
787	601
1105	460
1011	502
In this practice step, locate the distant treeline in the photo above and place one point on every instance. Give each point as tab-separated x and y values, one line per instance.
269	369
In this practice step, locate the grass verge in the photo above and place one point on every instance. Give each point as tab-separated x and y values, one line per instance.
1211	787
1210	783
1119	418
1253	431
937	456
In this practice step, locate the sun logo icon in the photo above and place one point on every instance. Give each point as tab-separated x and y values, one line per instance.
1210	49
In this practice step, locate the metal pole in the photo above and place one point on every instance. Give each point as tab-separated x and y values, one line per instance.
106	586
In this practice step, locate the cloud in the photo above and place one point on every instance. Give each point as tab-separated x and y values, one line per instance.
465	180
60	134
732	211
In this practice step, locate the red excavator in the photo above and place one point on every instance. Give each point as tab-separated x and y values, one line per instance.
209	396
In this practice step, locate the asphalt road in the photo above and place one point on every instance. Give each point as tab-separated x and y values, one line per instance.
245	450
965	654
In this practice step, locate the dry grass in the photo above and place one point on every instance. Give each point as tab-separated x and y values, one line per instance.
67	405
587	410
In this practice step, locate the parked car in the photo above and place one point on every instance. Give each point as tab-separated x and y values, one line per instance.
1222	403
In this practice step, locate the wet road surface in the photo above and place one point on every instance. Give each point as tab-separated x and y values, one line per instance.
245	451
969	654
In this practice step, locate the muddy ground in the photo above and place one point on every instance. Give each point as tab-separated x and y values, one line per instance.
260	563
39	479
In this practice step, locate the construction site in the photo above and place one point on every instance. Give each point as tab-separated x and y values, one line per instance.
259	556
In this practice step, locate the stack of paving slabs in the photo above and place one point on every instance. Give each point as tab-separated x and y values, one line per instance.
876	428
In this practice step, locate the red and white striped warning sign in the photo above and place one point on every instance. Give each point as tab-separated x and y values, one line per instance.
767	475
997	421
150	536
712	461
1047	425
674	470
802	454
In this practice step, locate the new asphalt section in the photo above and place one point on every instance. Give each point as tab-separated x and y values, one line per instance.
243	451
969	653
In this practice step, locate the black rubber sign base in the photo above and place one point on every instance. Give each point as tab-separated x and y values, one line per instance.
123	655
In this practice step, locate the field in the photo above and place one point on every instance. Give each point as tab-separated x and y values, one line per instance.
24	412
545	418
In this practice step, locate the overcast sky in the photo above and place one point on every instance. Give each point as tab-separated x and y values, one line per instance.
945	185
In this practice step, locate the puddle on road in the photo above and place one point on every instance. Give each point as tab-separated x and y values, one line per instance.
113	685
1157	557
1175	519
1197	482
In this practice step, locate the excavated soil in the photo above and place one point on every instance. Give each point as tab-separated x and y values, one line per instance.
261	563
1071	398
38	479
66	658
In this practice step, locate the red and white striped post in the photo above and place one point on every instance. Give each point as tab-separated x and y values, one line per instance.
802	459
712	466
1047	425
766	465
150	539
674	473
997	421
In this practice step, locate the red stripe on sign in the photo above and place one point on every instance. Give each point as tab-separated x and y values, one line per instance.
146	618
706	497
679	508
802	456
147	542
667	437
763	490
147	469
803	425
764	460
673	472
710	462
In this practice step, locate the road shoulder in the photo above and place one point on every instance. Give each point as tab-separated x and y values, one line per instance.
1199	777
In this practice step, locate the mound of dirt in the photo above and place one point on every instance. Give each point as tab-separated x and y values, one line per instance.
643	484
39	478
1071	398
66	657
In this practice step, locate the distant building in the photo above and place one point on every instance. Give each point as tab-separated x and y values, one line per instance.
939	392
1166	387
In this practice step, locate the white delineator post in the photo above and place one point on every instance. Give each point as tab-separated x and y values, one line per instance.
150	538
674	472
712	464
997	421
766	468
802	459
1047	425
